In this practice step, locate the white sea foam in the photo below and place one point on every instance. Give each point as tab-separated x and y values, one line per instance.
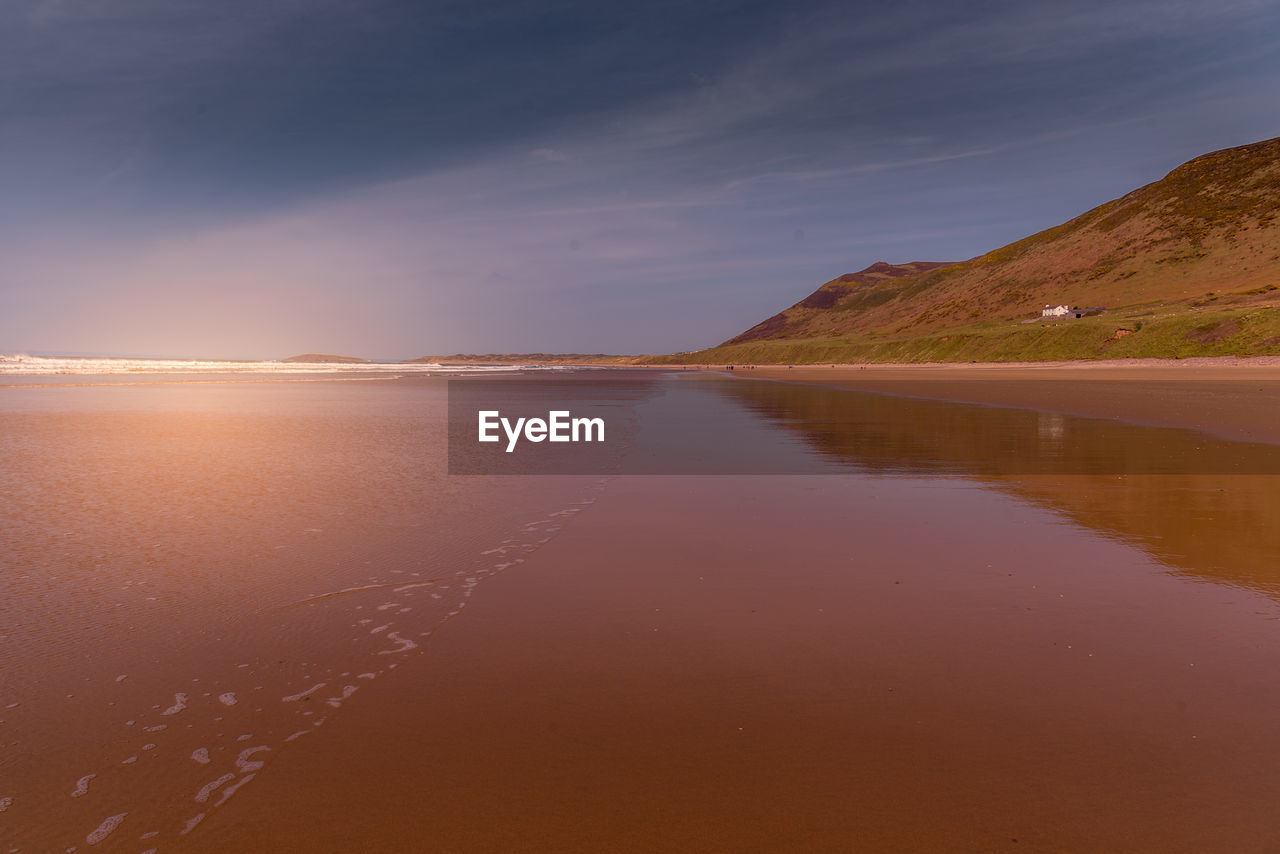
347	691
295	697
228	699
208	789
201	755
82	785
245	764
179	703
404	644
233	788
191	824
23	364
5	803
103	830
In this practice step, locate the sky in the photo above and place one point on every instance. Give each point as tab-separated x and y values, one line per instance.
259	178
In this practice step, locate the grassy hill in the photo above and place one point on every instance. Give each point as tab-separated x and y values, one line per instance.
1188	265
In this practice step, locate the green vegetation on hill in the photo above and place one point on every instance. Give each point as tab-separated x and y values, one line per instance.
1134	335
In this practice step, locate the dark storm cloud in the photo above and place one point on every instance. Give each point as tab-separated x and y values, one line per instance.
572	175
263	100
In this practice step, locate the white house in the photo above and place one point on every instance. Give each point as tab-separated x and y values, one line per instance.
1055	311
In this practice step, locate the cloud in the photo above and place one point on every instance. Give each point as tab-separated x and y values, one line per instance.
661	219
550	155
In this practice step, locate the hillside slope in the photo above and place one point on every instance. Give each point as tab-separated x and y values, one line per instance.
1202	240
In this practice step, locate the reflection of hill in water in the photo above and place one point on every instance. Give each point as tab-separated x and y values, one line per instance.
1196	503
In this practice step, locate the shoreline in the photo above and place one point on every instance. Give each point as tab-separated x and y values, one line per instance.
1232	363
1228	397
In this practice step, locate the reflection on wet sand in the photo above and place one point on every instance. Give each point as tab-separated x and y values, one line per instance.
206	590
811	664
1199	504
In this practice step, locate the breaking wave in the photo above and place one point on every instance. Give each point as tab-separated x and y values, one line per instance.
23	364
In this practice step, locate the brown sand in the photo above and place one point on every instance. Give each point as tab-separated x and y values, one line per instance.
1228	397
178	559
691	664
692	668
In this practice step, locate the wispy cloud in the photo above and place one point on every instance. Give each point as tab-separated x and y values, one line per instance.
298	166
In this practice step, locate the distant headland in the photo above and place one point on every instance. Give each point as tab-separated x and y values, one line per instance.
323	357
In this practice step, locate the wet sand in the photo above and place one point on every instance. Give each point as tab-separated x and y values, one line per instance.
790	665
1229	397
961	659
197	576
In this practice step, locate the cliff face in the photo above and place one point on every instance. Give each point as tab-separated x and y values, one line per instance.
1206	229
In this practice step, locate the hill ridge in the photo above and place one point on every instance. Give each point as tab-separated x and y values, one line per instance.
1203	234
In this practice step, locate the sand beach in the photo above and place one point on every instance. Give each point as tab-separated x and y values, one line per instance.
316	639
1230	397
